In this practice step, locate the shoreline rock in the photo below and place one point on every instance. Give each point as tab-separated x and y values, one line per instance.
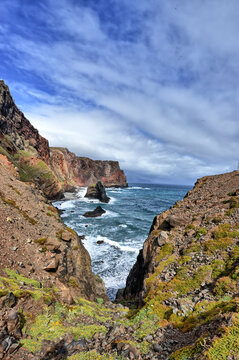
95	213
97	191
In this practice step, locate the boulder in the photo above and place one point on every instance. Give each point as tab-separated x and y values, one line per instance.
97	191
95	213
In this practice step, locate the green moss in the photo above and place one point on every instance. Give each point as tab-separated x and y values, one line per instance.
41	241
227	345
201	232
73	282
188	352
212	245
100	300
93	355
70	230
218	267
59	234
190	227
3	292
166	249
225	285
184	259
21	278
205	312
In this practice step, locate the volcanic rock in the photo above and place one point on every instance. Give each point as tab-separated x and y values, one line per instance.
81	171
97	191
95	213
52	246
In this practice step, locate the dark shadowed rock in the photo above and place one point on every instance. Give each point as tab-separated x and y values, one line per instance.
97	191
95	213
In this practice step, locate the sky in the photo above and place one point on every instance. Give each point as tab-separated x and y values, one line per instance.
152	84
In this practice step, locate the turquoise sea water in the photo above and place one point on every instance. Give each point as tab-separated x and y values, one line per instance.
123	228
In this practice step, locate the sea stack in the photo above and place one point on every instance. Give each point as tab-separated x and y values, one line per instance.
97	191
95	213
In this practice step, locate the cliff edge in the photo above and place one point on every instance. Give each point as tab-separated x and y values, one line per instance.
187	272
81	171
53	170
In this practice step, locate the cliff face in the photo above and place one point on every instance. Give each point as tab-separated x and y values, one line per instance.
14	124
81	171
34	241
30	153
187	271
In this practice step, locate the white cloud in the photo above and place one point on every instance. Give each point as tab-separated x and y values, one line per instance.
160	96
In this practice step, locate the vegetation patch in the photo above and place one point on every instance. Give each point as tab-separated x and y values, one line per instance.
41	241
227	345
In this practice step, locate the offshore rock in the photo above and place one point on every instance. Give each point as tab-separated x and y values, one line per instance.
95	213
97	191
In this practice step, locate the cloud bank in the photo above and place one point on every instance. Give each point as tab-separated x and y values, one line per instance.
152	84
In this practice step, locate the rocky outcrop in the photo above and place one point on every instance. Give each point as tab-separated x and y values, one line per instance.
97	191
187	270
30	153
95	213
35	242
14	124
81	171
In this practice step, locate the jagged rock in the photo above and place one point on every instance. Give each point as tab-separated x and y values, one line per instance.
95	213
52	265
97	191
52	171
66	236
175	220
10	300
163	237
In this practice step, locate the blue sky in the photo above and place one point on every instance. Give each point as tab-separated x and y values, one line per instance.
153	84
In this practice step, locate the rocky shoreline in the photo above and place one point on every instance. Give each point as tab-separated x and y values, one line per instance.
181	299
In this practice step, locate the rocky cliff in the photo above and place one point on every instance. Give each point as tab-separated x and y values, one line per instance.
35	242
14	124
187	272
81	171
30	153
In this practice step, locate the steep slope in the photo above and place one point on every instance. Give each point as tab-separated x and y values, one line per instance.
81	171
14	124
23	145
35	242
187	272
52	171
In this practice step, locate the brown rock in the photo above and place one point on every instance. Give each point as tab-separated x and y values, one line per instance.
82	171
97	191
52	265
175	220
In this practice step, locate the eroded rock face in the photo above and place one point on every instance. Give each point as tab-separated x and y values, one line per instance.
55	172
191	232
97	191
35	242
81	171
14	124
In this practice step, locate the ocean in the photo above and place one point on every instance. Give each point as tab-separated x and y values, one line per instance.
114	239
